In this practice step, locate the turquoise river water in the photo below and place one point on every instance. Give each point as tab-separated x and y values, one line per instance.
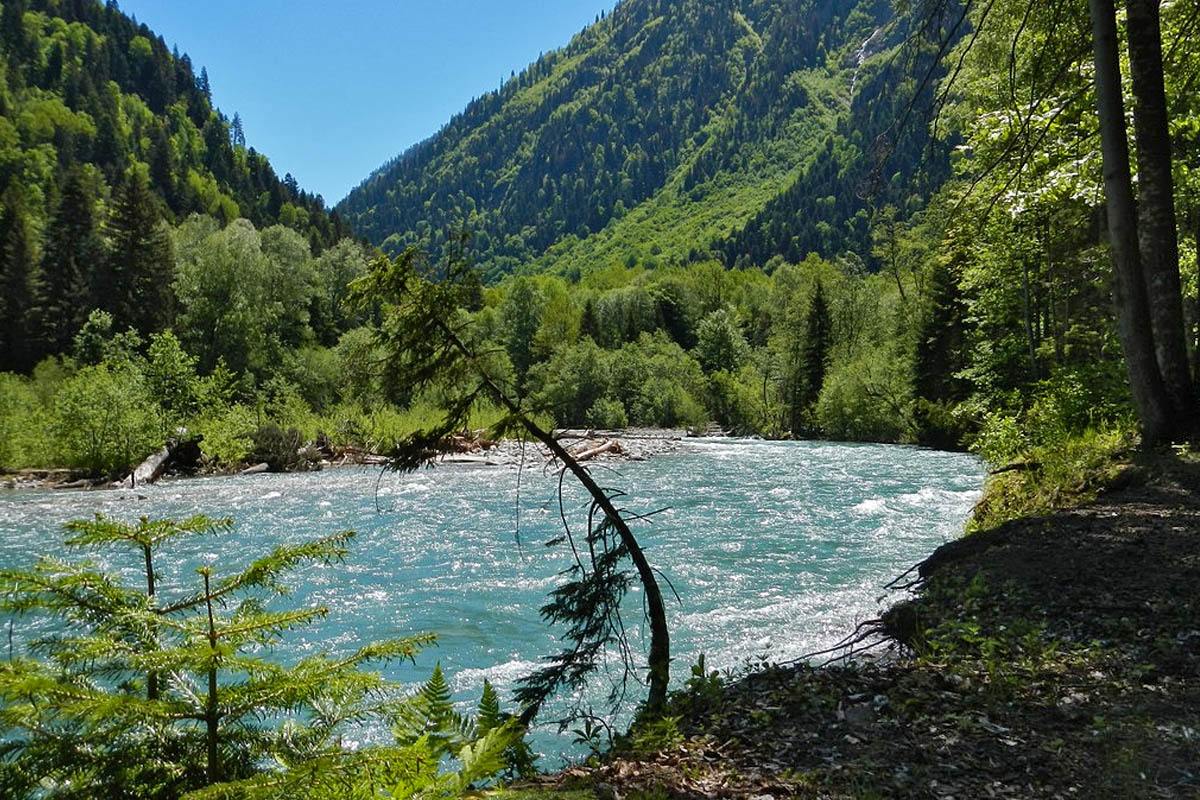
775	549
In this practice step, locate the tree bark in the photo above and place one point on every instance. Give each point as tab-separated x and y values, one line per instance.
1157	231
1129	288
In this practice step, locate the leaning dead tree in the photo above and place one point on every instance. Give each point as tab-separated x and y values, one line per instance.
429	338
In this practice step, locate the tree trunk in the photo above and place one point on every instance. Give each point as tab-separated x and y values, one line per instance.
1157	232
659	657
212	716
152	677
1129	289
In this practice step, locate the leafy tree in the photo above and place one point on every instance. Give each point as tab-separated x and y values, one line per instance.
105	419
171	380
336	269
520	318
222	284
720	344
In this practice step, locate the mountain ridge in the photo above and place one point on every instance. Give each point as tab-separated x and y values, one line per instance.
659	134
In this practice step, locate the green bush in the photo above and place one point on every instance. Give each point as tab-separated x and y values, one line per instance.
607	413
226	435
279	449
105	420
24	439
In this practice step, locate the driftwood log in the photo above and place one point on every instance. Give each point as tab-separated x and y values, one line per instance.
587	453
149	471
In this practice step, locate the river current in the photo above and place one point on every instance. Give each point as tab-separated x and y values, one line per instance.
774	549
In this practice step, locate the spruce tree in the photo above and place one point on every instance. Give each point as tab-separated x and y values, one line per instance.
135	286
174	682
74	249
940	352
18	348
818	334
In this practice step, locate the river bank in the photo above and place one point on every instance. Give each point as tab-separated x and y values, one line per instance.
1055	656
629	444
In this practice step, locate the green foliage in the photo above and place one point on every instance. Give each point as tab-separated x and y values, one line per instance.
607	413
23	419
720	344
164	686
281	450
105	419
868	399
661	133
226	435
171	380
652	737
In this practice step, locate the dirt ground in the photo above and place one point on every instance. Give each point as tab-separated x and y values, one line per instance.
1054	657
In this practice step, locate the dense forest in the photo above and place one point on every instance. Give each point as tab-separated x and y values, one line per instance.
666	132
107	139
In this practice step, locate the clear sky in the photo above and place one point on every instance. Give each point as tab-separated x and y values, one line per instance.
330	90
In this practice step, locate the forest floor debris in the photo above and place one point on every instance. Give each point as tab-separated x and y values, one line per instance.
1050	657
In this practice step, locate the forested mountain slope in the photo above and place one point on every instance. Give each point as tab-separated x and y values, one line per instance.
105	134
667	130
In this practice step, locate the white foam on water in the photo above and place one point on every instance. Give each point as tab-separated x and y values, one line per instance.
502	676
876	505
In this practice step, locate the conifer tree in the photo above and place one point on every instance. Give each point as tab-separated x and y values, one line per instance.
135	286
817	339
237	133
427	331
17	284
73	250
169	685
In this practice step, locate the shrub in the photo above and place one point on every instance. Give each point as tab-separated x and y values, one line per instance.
226	435
280	450
607	413
24	441
105	420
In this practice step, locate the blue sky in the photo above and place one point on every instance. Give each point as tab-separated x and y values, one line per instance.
330	90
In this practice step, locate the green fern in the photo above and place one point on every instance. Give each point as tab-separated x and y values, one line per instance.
430	713
488	716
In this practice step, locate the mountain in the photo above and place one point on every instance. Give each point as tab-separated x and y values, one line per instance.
85	85
105	135
668	131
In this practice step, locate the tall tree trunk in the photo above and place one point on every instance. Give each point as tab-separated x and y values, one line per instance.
1129	289
1157	232
1196	313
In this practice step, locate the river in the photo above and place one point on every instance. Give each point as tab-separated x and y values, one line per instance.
775	549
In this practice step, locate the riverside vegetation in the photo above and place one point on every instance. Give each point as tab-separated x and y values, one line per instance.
735	212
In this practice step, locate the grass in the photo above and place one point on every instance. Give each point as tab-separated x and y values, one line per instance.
1057	475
